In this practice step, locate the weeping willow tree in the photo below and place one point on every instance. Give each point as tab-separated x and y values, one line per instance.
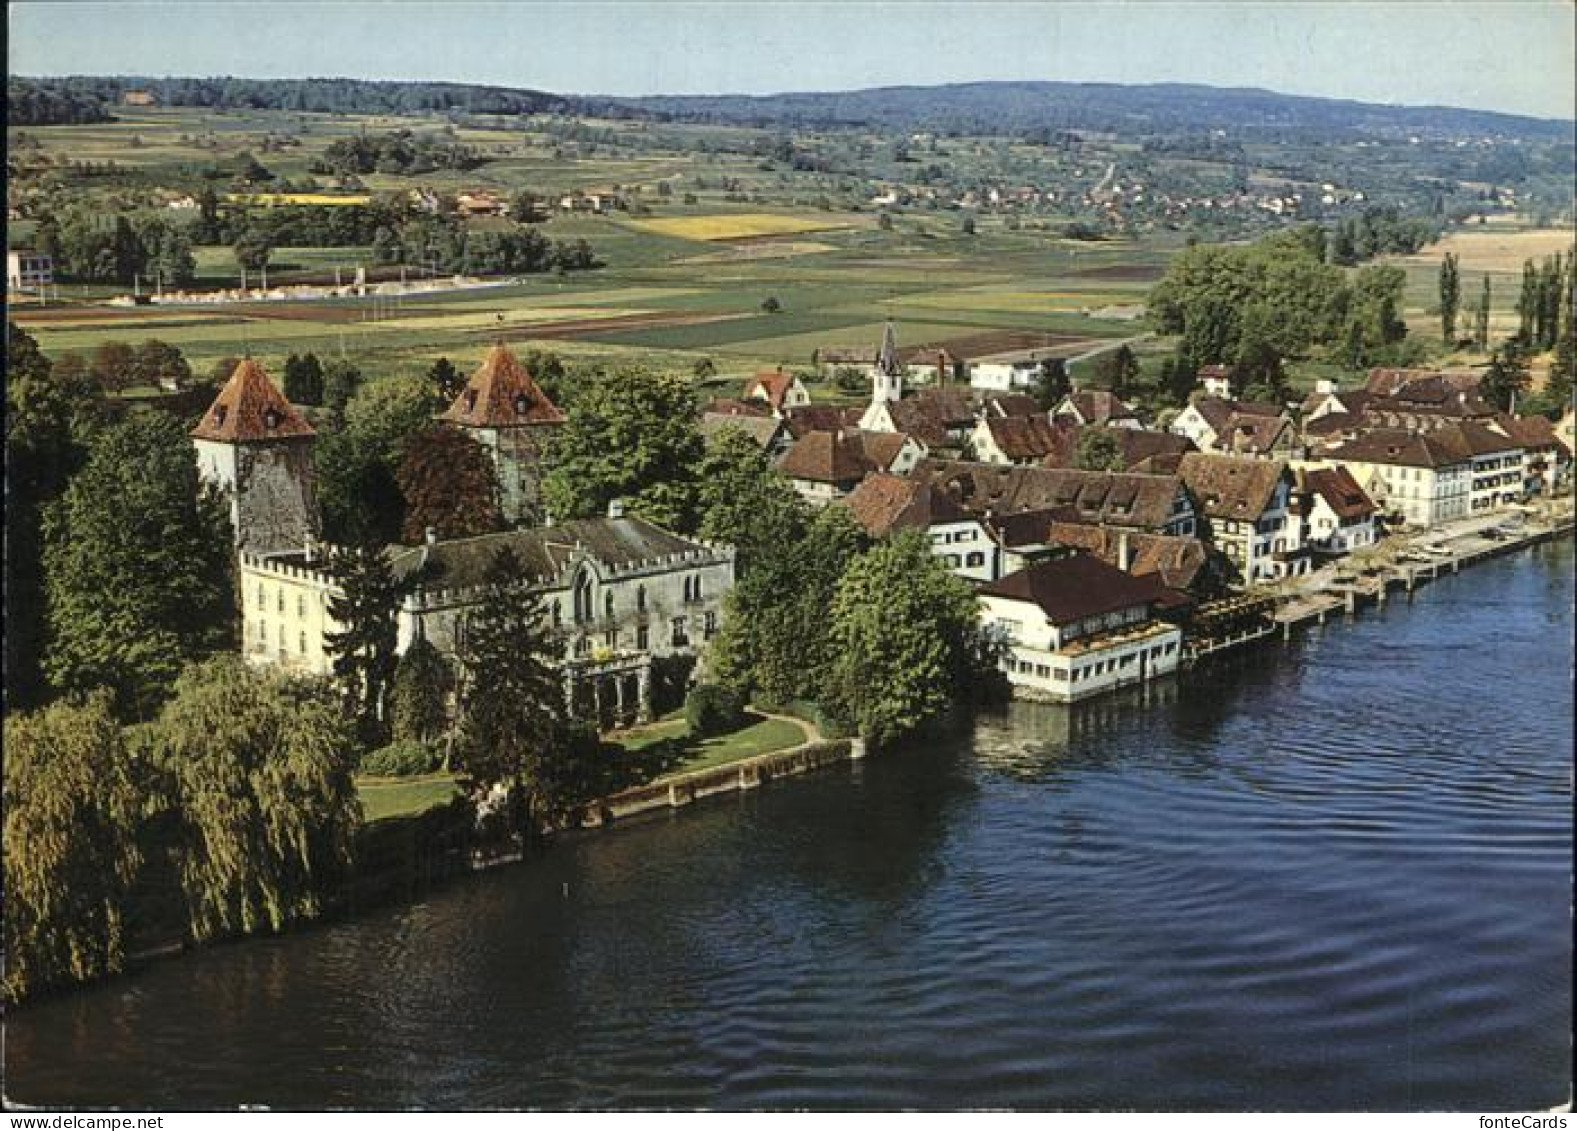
258	776
72	809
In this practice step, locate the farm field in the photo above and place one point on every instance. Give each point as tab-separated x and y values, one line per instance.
742	225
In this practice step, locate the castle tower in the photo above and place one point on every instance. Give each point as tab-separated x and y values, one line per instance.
886	384
257	447
505	410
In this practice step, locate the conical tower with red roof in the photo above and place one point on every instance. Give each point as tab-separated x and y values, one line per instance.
504	409
257	447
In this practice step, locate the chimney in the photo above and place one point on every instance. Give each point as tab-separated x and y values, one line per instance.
1123	559
1325	386
431	536
309	551
615	508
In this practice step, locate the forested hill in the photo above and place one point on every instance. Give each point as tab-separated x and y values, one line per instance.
32	101
1025	107
1011	108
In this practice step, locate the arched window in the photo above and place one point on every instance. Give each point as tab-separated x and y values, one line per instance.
607	604
558	615
583	583
640	598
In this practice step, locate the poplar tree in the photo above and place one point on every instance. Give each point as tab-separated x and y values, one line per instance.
1450	297
1481	325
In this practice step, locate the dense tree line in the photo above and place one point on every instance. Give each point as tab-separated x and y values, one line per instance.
1379	231
30	102
400	151
1252	307
1544	305
87	246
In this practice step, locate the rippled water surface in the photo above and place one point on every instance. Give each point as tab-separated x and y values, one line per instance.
1333	875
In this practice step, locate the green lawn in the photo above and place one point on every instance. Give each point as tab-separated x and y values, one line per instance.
403	797
761	736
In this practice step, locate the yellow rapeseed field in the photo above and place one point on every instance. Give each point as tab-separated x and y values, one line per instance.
738	225
269	199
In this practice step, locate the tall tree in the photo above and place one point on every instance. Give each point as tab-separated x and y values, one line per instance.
363	649
113	365
447	384
630	435
744	501
1098	450
513	729
1507	376
1450	297
1481	319
1051	384
449	484
137	566
258	772
304	379
42	450
72	810
423	682
899	621
157	363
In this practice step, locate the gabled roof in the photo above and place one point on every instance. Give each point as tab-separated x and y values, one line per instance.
543	551
1073	588
881	448
1143	502
827	457
920	418
1402	449
1531	432
1231	487
1340	491
726	406
1155	453
501	394
249	408
1011	404
762	429
1176	560
1098	406
883	503
1482	441
1386	382
774	383
1254	434
1022	439
804	419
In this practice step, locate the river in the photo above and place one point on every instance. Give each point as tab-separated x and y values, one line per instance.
1333	875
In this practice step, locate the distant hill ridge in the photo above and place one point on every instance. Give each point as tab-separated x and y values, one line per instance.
982	107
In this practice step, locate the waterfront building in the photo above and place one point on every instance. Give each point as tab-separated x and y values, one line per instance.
256	447
1420	480
1075	627
1546	457
1337	514
503	409
1496	463
1244	505
620	591
885	504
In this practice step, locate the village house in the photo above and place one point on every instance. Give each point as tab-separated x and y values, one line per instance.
1012	369
1546	458
1096	408
1337	514
503	409
1157	504
28	271
1020	440
1230	427
618	591
1421	480
885	504
778	389
825	466
1075	627
1497	465
1245	506
770	433
1184	567
1140	449
256	448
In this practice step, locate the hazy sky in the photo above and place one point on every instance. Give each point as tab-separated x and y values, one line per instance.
1514	55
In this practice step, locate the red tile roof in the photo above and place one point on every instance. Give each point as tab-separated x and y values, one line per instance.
501	394
249	407
1340	491
883	503
1073	588
771	385
1023	439
827	457
1231	487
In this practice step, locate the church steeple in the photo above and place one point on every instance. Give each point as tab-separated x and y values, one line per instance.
887	381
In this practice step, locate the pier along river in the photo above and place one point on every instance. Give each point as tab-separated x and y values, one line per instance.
1331	875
